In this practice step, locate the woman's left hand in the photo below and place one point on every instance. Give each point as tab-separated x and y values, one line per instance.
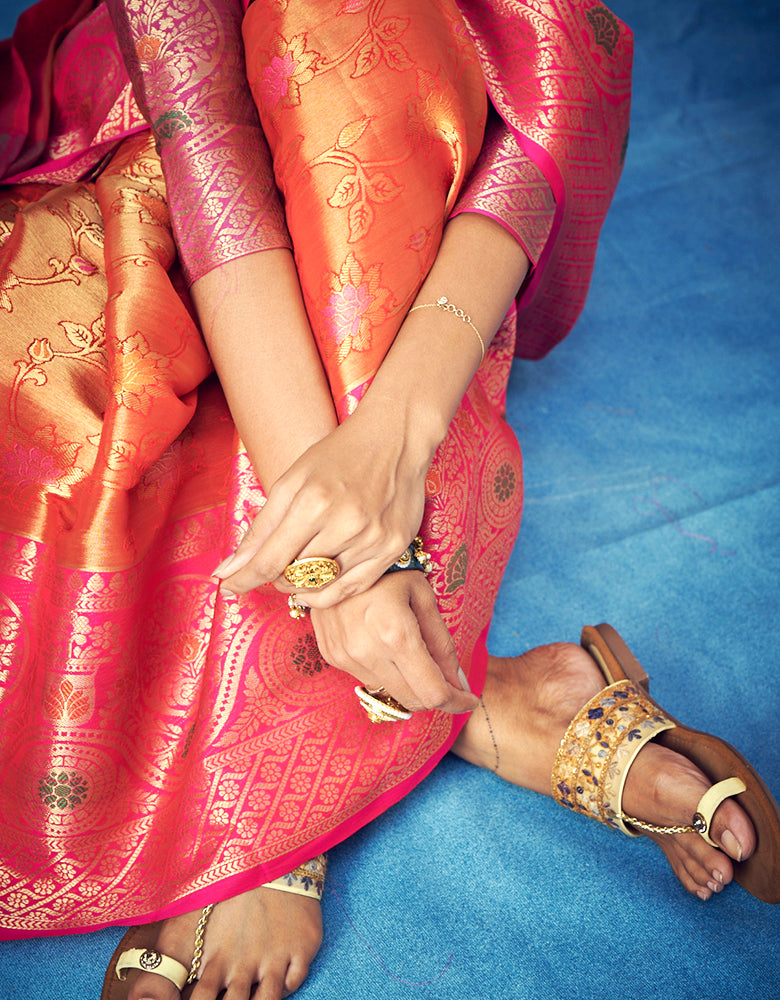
356	496
394	637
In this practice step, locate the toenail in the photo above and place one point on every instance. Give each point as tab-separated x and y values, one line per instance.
731	844
718	876
714	886
703	894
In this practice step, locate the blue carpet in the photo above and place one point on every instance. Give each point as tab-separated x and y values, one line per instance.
651	441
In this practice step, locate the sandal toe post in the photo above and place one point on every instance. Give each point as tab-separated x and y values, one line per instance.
147	960
605	736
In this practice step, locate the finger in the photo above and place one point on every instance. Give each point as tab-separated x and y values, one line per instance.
364	661
265	551
420	671
436	636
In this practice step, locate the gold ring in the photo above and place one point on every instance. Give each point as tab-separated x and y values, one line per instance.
382	707
311	573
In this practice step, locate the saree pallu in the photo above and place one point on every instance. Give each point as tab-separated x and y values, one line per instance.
166	745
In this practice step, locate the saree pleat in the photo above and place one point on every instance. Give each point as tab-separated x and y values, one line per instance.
166	745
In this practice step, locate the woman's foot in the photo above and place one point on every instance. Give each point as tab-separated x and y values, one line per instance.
265	936
526	708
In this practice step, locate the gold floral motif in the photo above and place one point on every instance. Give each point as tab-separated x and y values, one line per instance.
357	301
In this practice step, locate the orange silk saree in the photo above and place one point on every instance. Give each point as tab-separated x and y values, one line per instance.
166	745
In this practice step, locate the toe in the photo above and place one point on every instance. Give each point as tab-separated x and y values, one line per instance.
732	829
148	986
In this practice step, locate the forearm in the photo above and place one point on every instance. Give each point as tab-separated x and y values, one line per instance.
257	331
479	268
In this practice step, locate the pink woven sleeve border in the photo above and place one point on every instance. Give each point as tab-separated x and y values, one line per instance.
185	59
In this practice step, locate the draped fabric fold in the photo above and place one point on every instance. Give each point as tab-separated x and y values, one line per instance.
167	745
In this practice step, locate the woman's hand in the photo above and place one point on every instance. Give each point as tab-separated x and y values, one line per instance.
394	637
356	496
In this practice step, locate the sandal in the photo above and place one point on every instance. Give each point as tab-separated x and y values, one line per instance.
606	735
133	951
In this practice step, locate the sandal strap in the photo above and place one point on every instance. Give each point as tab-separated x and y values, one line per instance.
710	801
148	960
598	749
705	810
307	879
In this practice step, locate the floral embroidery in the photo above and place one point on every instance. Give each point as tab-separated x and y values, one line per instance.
141	374
67	704
288	69
147	47
455	573
356	300
305	655
307	879
598	749
504	483
606	29
171	122
63	789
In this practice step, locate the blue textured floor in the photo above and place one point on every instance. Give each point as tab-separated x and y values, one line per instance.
652	450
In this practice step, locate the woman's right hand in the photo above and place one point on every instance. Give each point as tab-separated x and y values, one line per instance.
356	497
393	636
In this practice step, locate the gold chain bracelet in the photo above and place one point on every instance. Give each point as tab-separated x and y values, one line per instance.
445	305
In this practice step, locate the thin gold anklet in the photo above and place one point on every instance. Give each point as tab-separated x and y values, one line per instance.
492	734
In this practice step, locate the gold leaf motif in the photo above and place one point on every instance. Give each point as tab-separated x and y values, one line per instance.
345	193
383	188
368	58
351	132
392	28
360	218
397	57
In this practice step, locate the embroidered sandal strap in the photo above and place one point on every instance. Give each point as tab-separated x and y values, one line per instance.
307	879
598	749
596	754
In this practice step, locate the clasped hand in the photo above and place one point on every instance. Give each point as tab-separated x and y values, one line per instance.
356	496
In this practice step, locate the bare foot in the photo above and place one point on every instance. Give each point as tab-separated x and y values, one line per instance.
265	936
527	705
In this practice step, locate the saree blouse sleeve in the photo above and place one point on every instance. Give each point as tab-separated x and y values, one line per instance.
510	188
186	63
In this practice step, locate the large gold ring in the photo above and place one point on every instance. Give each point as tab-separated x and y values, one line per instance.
311	573
382	707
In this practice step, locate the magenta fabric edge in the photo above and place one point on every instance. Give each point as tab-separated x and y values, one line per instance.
554	178
235	884
41	174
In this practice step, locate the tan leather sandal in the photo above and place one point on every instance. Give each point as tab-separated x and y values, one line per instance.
604	738
133	951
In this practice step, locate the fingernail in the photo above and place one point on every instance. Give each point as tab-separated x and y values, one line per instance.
718	876
463	680
220	570
731	845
